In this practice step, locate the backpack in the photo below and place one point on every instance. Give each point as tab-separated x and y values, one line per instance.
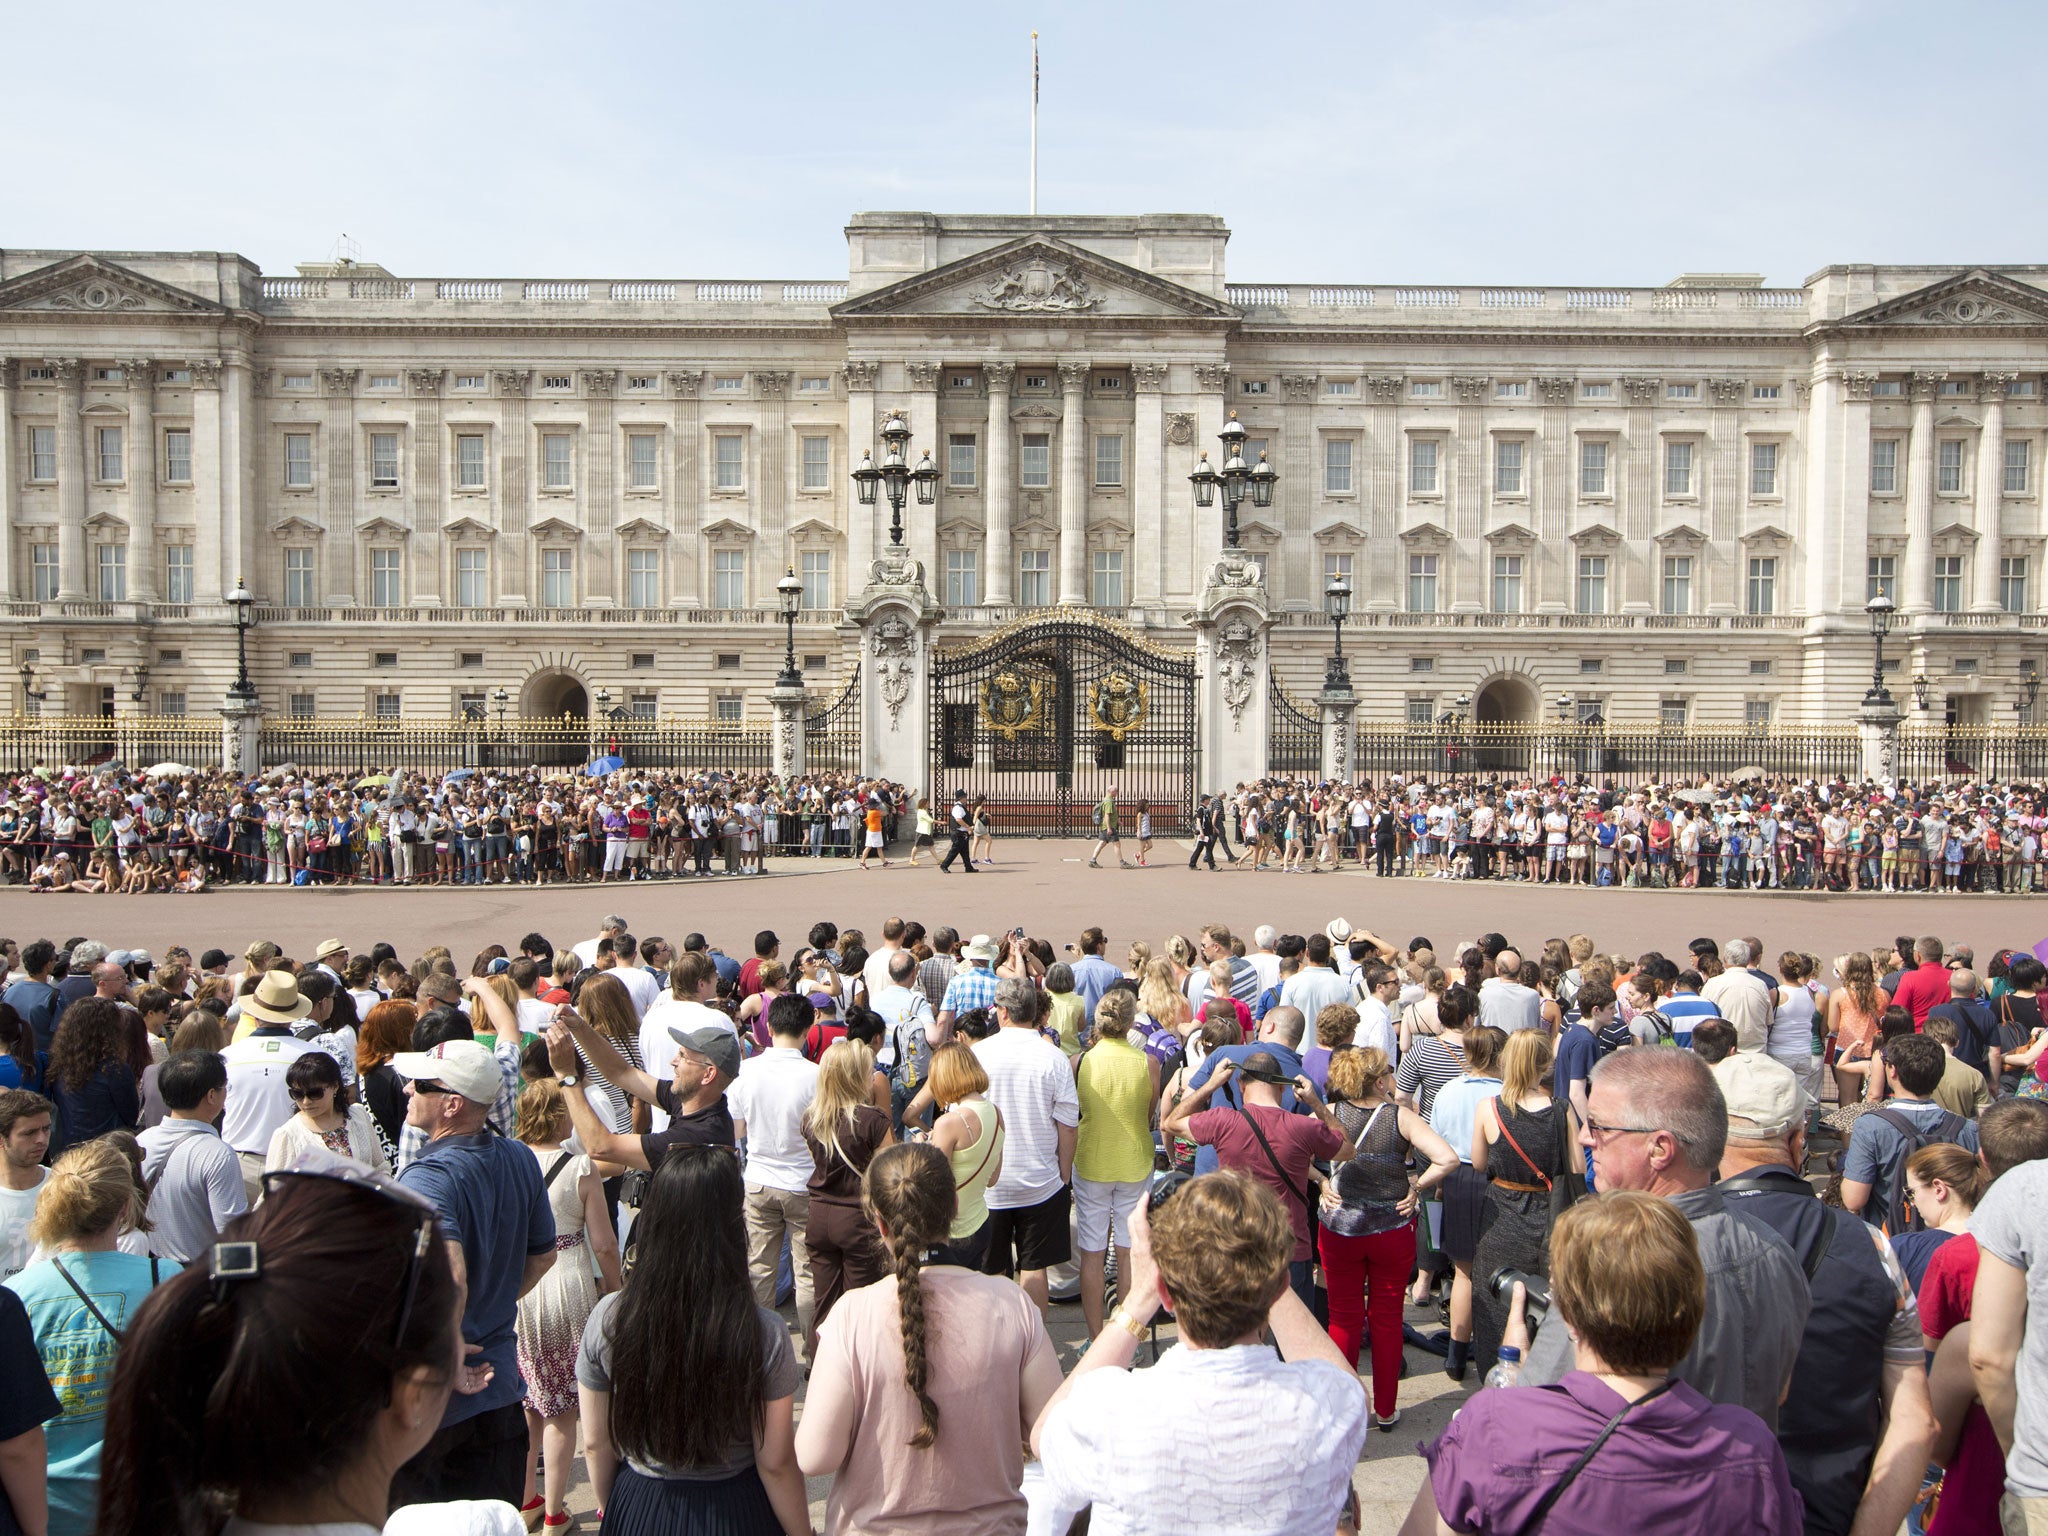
1900	1216
913	1054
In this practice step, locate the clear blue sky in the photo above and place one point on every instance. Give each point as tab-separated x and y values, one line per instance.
1453	142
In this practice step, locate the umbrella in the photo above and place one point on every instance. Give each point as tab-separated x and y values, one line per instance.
281	771
459	773
374	781
1753	771
604	765
167	771
1695	796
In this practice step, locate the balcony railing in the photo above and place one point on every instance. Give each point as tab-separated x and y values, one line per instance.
319	295
1777	307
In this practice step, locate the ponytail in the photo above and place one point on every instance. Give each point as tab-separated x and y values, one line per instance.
909	1192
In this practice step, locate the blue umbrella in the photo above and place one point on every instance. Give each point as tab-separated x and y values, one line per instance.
605	765
459	773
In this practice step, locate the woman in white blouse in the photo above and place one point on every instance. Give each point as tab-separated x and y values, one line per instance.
314	1082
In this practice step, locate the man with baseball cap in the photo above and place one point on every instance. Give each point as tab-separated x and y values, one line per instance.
1860	1363
258	1101
500	1233
706	1061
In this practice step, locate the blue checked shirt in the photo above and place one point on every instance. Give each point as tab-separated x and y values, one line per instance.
974	988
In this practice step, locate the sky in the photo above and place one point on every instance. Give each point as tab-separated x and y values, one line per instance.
1460	142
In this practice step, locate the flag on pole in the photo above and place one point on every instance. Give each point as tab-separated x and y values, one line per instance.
1034	69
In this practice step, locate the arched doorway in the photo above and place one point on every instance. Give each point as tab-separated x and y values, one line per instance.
551	695
1504	714
555	709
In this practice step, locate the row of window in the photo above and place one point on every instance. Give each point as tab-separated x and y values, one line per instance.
110	573
1951	460
1515	389
110	457
1672	713
557	383
389	704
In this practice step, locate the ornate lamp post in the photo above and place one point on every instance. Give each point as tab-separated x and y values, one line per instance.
501	698
31	696
1337	604
1236	479
139	685
243	601
790	591
1881	611
1878	727
1921	684
895	475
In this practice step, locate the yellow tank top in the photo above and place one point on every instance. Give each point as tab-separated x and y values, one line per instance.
1115	1141
971	1168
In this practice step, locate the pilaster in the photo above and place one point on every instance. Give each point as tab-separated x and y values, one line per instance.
1990	491
1234	702
686	575
71	473
140	374
862	526
892	621
1073	484
786	706
1546	580
10	474
423	487
515	511
999	497
338	544
1149	488
598	501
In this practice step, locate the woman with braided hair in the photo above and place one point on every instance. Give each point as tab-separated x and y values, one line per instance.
937	1444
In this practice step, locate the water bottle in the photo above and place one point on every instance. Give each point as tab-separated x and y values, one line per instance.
1507	1370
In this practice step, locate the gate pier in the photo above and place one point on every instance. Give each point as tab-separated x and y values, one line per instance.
893	616
1234	712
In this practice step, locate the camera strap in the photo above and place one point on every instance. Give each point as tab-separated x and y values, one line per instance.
1267	1147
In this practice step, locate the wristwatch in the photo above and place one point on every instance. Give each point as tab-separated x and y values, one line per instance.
1124	1320
567	1080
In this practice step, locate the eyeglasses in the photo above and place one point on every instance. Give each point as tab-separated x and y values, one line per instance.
340	1171
421	1086
307	1095
1595	1128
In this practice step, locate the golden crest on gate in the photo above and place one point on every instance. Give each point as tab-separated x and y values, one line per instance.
1013	702
1118	705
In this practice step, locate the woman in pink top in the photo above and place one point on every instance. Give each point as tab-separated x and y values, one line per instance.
924	1386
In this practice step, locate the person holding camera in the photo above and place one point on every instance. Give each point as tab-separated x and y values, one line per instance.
1620	1442
1260	1137
1216	1255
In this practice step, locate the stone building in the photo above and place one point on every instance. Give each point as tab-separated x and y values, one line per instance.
1669	503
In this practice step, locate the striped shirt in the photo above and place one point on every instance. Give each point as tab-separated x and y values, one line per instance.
1428	1065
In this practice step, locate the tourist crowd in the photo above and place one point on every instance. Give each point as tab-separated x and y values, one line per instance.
361	1242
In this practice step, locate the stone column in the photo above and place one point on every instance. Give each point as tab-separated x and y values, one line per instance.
1234	702
771	499
1073	485
1467	576
338	495
1990	491
71	471
241	725
893	619
598	503
214	552
241	515
1916	581
423	488
787	707
140	374
861	538
514	497
1721	480
1546	586
1339	709
10	475
1638	494
1212	409
1380	498
999	495
685	575
921	524
1148	486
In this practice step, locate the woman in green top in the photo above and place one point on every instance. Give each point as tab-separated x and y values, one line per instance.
1118	1084
970	1132
1065	1012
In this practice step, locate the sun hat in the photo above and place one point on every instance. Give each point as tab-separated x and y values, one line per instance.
330	947
980	947
276	999
463	1065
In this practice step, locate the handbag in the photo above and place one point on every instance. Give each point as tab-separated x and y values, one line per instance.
1556	1489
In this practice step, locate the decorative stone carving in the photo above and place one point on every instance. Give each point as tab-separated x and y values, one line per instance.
1384	386
337	381
210	376
1991	386
924	377
896	568
511	384
1000	376
1235	572
1557	391
1237	665
1926	386
860	375
1298	388
65	372
1149	377
1859	384
1180	428
683	383
1038	285
140	374
1727	391
97	295
1642	391
599	382
1212	378
1471	390
424	381
785	736
1073	378
1972	309
773	384
895	649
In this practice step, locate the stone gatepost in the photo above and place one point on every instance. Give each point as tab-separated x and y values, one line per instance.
241	727
1878	729
1339	707
1234	700
787	705
894	616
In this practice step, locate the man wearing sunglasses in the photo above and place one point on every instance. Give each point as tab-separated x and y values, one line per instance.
501	1239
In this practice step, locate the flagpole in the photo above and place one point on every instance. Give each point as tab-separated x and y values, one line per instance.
1034	124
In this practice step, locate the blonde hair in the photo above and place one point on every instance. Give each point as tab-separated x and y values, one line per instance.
1113	1014
1626	1274
1157	994
541	1107
843	1074
91	1189
1522	1065
1355	1073
956	1072
1140	956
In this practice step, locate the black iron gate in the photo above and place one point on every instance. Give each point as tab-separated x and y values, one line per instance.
1296	734
832	735
1053	712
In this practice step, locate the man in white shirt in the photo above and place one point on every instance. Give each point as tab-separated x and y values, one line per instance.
908	1025
610	928
627	970
1504	1003
1032	1086
1316	985
534	1015
1262	959
875	974
1742	997
692	983
767	1101
195	1177
1380	986
258	1102
25	1121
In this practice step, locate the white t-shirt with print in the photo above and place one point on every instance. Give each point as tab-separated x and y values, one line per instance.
17	1206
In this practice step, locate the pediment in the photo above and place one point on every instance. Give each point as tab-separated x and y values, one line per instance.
383	528
1257	535
1682	535
728	530
815	530
469	528
555	528
1032	279
1769	533
1108	531
1978	297
92	285
1597	536
1426	533
1512	534
1036	512
1956	533
106	522
640	528
959	525
299	528
1340	532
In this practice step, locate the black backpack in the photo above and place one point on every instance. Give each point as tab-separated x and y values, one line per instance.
1900	1215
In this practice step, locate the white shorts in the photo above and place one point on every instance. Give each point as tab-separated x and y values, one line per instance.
1103	1211
874	840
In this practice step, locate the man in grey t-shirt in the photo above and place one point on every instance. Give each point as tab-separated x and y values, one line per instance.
2009	1331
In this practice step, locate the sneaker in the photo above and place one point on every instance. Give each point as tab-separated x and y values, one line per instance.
1386	1425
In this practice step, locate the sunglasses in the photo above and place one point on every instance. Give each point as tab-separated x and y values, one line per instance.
340	1172
307	1095
420	1086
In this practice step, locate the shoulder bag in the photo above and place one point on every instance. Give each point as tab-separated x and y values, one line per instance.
1267	1147
1556	1489
97	1315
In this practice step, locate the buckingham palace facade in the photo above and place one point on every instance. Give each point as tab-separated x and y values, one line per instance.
1668	503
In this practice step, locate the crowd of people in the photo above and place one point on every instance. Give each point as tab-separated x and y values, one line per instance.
1731	1246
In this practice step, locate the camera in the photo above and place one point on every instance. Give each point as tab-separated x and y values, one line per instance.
1535	1290
1164	1187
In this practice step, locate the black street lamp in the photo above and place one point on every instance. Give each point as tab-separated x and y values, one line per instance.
243	601
790	591
1337	604
895	475
1235	477
31	696
2030	689
1921	683
1881	610
501	698
140	688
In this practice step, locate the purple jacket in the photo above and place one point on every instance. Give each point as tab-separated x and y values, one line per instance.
1679	1465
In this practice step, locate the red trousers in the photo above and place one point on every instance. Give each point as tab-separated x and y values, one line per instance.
1367	1279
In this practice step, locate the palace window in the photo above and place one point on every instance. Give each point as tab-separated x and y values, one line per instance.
1507	583
298	461
729	462
1422	583
1763	469
729	578
1884	466
1592	584
178	457
2017	463
815	568
1765	391
1592	469
1426	389
1948	583
963	578
1948	466
472	579
1678	469
1514	391
1109	578
1681	391
113	573
1881	578
643	578
1596	391
109	456
384	460
303	706
469	462
178	582
817	462
557	462
1763	584
1671	713
1335	566
1337	466
42	453
387	706
2012	584
1422	467
1507	467
1422	709
1109	459
171	704
643	461
1756	713
298	578
960	465
557	578
1035	462
1034	578
387	581
1677	594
